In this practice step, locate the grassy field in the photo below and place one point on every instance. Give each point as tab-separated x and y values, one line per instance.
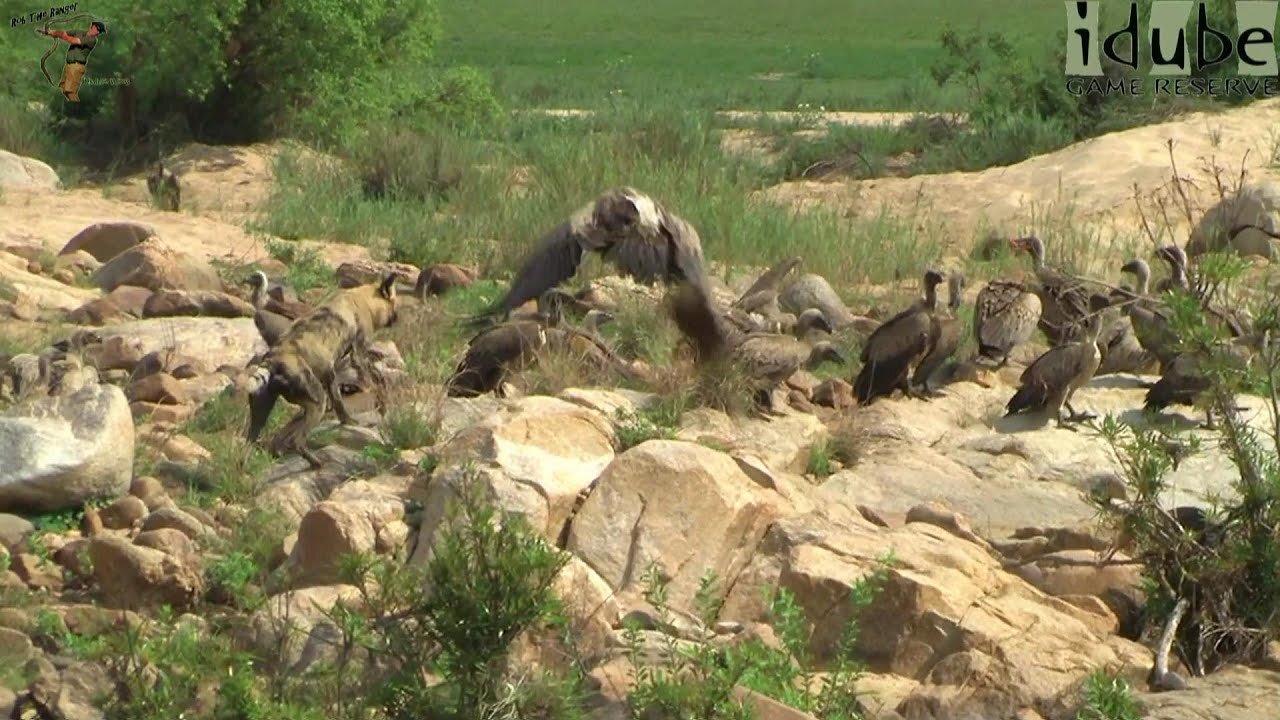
756	54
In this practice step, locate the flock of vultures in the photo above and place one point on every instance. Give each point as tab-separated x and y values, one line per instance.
1124	330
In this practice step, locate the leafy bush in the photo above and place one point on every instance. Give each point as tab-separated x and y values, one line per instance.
698	678
1108	697
242	71
1227	567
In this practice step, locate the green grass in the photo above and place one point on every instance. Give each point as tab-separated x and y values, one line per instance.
723	53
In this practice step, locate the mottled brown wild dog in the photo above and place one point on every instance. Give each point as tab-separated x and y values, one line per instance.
301	368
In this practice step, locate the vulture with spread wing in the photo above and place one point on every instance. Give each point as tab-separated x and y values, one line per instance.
637	234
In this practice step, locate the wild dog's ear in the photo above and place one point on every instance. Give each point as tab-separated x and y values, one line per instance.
388	287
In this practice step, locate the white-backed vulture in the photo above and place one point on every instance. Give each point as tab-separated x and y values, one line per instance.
767	359
637	234
949	333
1049	383
1063	299
1005	315
897	346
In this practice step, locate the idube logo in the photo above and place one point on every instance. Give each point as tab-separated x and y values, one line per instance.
1251	42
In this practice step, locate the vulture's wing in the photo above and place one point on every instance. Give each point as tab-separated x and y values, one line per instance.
555	260
905	332
769	280
698	320
672	254
1056	366
772	357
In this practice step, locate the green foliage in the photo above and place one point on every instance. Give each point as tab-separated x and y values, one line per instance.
239	571
378	457
407	429
488	579
243	71
721	53
1236	559
482	220
235	468
698	677
658	422
399	163
1108	697
306	269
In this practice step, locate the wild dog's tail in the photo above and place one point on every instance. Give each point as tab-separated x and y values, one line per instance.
264	390
260	377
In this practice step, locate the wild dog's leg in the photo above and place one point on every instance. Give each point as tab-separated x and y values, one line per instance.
294	435
368	373
261	404
334	388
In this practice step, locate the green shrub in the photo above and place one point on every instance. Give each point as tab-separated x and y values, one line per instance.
1236	558
1108	697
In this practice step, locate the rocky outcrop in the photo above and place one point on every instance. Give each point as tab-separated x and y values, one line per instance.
156	266
105	240
216	341
653	499
536	455
17	171
60	452
1255	204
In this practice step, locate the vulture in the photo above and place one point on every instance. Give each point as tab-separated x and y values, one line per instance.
1121	350
1149	317
638	235
272	317
1063	299
948	334
1049	383
1183	382
762	296
513	346
811	321
1234	322
767	358
897	345
1005	315
586	343
1176	258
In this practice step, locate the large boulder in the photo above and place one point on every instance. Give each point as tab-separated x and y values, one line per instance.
535	457
982	642
60	452
782	442
1256	204
105	240
687	507
40	292
134	576
216	341
1008	473
156	266
361	517
17	171
192	303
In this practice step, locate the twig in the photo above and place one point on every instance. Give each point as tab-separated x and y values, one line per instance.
1160	675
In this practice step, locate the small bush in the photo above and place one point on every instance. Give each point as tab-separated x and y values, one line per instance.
403	164
1108	697
698	678
656	423
463	98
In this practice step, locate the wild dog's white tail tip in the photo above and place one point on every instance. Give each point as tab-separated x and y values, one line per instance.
258	380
